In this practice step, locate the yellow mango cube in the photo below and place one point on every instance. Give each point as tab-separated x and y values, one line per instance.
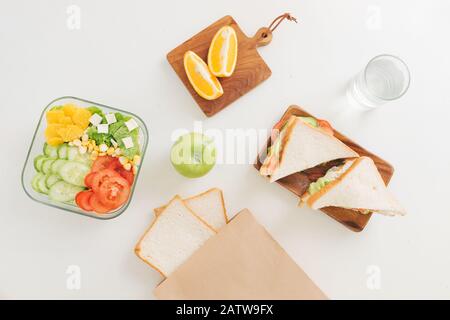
69	109
55	141
54	116
73	132
81	118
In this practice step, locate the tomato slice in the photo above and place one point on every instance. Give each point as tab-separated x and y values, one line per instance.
97	206
114	191
126	174
101	177
82	199
115	164
101	163
326	126
89	179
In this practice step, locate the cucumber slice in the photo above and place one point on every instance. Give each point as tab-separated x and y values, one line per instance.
63	192
72	153
83	158
41	184
57	165
50	151
51	180
38	162
74	173
34	182
62	151
47	166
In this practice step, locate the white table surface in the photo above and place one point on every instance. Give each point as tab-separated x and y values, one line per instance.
117	57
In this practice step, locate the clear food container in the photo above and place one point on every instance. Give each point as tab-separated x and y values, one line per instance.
56	162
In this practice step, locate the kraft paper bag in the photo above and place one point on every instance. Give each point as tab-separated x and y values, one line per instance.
241	262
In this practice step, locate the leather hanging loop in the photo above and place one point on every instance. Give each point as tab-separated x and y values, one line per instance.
264	35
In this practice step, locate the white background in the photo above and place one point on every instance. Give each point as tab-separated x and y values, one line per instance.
117	57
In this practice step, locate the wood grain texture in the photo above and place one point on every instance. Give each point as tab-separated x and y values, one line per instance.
298	182
250	70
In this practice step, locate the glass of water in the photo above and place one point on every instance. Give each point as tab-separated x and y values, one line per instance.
385	78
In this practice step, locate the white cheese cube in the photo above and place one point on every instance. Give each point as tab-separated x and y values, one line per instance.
95	119
102	128
131	124
128	142
111	118
114	143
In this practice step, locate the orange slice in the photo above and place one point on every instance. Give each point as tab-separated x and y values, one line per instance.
201	79
222	55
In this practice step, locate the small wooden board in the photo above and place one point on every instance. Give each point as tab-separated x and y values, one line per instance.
250	70
298	182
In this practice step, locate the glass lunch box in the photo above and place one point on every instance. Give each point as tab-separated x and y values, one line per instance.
36	149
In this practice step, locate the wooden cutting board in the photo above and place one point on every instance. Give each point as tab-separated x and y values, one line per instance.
298	182
250	70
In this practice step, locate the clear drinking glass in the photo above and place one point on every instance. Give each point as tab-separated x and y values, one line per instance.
385	78
36	149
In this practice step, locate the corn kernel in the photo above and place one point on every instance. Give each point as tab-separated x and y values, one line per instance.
84	143
96	148
123	160
82	149
118	151
90	147
94	155
102	154
127	166
110	151
84	138
77	142
137	160
135	170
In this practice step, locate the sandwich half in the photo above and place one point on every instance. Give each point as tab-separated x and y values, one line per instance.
302	143
173	237
209	206
355	185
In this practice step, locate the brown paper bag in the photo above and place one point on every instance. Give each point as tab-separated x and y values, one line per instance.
241	262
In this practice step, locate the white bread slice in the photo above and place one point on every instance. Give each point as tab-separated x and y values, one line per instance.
306	147
361	187
173	237
209	206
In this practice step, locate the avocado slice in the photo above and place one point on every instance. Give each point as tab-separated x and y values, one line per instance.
311	121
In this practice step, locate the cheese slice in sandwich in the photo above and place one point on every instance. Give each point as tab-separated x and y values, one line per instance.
356	185
173	237
302	144
209	206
